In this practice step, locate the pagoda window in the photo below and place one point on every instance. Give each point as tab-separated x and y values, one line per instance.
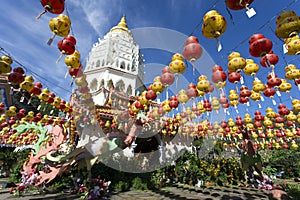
122	66
133	68
94	84
110	84
120	86
102	63
129	90
102	83
98	63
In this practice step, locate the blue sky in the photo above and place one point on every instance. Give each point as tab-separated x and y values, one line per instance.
25	38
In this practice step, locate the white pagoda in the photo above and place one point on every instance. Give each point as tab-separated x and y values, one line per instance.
115	62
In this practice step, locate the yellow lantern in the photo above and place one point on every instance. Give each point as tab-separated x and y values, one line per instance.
236	63
166	106
284	86
177	65
215	103
291	72
203	83
251	67
214	25
296	105
182	96
255	96
270	113
233	95
157	86
73	61
288	24
44	96
5	62
292	45
258	86
27	84
60	26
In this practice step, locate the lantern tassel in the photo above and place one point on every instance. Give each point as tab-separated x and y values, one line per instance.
39	15
278	93
66	73
193	66
250	11
274	102
219	45
259	106
176	80
298	87
51	40
59	58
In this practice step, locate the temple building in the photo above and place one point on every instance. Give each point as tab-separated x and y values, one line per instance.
115	62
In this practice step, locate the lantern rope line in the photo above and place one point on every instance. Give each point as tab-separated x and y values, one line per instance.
39	77
279	47
67	12
260	28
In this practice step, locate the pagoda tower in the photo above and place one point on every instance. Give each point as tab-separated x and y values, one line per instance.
115	62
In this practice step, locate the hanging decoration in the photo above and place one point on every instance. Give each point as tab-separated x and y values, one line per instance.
259	45
251	68
52	6
214	25
292	45
5	64
270	59
177	65
219	77
192	50
167	79
288	24
241	4
60	26
66	46
292	73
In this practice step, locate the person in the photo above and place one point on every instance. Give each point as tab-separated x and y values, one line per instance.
250	157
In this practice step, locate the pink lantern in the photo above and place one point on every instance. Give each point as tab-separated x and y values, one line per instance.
192	50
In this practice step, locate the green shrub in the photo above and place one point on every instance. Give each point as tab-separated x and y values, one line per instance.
122	186
294	191
138	184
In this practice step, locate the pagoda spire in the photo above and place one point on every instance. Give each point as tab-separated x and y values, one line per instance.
122	25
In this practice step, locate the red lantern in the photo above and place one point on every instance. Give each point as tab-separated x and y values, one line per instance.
273	80
150	95
239	121
15	78
238	4
243	100
269	59
269	92
259	45
234	77
244	91
76	72
52	6
67	45
173	102
36	90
